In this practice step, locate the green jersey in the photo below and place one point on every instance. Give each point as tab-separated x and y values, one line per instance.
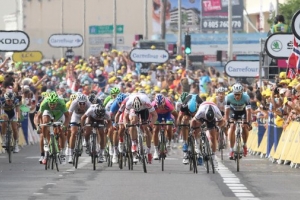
58	111
107	99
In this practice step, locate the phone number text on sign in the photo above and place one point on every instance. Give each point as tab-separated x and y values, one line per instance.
221	24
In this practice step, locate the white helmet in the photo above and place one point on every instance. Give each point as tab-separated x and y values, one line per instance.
137	104
237	88
81	98
221	90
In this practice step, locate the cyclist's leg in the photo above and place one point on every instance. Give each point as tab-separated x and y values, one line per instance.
231	134
169	129
121	133
15	130
88	131
155	137
132	130
245	135
144	118
75	118
3	128
46	118
101	134
185	132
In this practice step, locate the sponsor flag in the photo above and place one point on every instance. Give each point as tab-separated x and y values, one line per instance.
291	73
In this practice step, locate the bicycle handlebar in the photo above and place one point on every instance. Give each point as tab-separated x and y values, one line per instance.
163	124
95	125
137	124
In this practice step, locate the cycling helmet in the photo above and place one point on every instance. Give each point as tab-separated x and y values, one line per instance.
121	97
94	92
209	113
183	96
81	98
92	98
160	99
114	91
137	104
220	90
9	95
237	88
141	91
99	110
52	97
102	96
73	97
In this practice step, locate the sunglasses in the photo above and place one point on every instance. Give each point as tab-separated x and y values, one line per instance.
52	104
81	103
237	94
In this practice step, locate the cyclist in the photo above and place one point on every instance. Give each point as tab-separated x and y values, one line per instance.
52	108
220	99
164	109
93	99
180	101
10	110
187	111
72	98
139	106
113	111
238	106
97	113
210	113
113	93
78	107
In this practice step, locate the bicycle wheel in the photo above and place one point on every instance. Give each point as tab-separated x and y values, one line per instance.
128	152
162	150
94	152
205	152
54	152
209	153
238	145
193	155
79	150
121	160
8	144
189	153
142	153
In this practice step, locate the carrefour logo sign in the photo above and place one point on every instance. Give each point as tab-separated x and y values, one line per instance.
149	55
65	40
242	68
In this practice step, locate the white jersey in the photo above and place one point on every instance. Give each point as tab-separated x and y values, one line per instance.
74	107
202	108
221	105
145	102
91	113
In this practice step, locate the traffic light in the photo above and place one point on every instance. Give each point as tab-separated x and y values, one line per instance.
187	44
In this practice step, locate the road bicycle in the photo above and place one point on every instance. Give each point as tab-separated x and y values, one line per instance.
78	145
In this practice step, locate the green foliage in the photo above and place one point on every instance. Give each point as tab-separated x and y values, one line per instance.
289	9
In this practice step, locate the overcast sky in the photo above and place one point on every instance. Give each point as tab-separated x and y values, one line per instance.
7	7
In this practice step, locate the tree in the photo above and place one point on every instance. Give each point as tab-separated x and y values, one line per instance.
288	10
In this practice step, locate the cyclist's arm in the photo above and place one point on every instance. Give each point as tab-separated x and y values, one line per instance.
117	116
175	114
179	117
67	119
227	109
154	117
83	118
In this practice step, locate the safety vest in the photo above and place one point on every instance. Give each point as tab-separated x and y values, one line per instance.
280	27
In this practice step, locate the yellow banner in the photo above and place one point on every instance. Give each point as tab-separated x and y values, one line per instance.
282	141
27	56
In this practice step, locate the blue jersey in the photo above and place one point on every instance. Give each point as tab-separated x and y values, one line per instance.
114	107
241	105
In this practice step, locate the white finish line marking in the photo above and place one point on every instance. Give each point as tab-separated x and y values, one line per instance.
233	183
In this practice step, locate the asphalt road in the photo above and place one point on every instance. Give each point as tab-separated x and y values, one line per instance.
25	178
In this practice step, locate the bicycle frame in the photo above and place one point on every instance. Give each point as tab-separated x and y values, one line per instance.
9	139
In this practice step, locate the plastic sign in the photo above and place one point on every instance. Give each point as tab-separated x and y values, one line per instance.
149	55
65	40
14	41
296	24
27	56
279	45
235	68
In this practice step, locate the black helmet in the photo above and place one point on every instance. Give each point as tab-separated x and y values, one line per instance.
209	113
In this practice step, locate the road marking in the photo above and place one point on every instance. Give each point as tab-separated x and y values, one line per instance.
233	182
38	193
50	183
33	157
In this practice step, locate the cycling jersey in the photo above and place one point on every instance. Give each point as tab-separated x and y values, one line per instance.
145	103
91	113
57	112
201	111
168	107
107	99
74	107
241	105
185	105
108	105
114	107
9	109
68	104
